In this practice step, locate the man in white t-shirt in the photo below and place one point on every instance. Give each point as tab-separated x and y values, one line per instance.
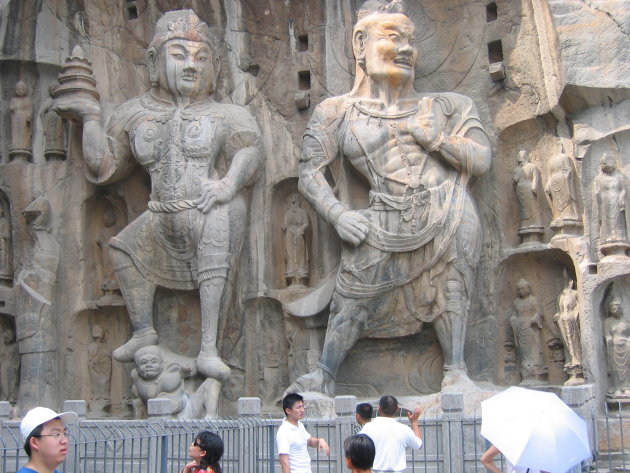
292	438
391	438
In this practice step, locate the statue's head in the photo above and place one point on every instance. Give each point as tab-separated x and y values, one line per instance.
180	57
149	361
523	157
607	163
615	306
109	217
97	332
523	288
20	89
8	336
383	42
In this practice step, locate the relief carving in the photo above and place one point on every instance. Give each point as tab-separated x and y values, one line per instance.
568	320
21	107
295	226
417	158
617	338
527	183
562	190
192	234
54	130
9	366
6	270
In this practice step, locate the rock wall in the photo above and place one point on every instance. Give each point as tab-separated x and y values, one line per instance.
550	78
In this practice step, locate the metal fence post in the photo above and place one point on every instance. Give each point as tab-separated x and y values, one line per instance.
453	432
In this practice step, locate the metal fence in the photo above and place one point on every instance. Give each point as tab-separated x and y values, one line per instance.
451	444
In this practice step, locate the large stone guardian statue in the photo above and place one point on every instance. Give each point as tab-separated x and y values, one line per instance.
192	233
410	256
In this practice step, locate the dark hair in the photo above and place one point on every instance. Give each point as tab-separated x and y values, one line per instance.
35	433
212	444
360	450
364	410
388	405
289	400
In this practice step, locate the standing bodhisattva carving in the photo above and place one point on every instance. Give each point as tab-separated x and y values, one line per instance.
610	196
192	234
617	337
409	258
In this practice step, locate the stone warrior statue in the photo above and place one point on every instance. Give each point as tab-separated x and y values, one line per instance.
409	258
192	233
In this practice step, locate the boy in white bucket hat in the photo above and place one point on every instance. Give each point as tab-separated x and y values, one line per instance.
45	439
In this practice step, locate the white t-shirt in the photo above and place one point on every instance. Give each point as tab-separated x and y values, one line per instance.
391	439
292	440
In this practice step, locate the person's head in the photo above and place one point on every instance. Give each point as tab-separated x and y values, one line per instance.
383	43
293	406
523	288
363	413
206	450
149	361
388	406
359	452
615	307
20	89
180	57
44	435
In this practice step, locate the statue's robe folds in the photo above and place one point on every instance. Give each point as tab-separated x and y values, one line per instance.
416	242
173	244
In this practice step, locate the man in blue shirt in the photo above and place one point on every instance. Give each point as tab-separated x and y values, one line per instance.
45	439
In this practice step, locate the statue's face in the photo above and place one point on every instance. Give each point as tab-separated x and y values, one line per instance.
20	90
522	289
149	366
188	70
607	163
615	308
389	51
522	157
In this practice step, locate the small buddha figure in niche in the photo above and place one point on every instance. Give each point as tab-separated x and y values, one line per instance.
5	243
21	107
617	336
9	366
610	196
54	130
568	320
295	227
527	322
527	182
562	192
99	364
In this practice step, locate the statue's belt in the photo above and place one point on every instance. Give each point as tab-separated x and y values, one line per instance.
169	207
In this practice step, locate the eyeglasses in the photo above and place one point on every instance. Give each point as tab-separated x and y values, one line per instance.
195	444
57	435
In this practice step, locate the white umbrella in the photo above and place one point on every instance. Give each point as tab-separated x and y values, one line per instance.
535	429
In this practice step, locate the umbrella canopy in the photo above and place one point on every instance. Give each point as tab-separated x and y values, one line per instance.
535	429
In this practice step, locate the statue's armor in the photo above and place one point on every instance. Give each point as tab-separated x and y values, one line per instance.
174	244
423	225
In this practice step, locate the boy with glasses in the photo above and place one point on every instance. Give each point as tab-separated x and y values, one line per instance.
45	439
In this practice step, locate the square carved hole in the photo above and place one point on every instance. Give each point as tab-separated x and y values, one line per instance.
491	12
495	51
302	42
304	80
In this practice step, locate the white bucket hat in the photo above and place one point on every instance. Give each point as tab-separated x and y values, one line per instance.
40	415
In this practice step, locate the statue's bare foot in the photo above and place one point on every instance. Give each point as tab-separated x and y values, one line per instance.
315	381
139	339
211	366
457	381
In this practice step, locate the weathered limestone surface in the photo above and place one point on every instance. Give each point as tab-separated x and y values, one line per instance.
551	78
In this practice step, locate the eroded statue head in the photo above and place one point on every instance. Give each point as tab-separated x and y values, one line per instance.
180	57
149	361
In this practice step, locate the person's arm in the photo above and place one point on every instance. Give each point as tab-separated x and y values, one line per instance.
413	422
487	458
190	467
284	462
319	443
